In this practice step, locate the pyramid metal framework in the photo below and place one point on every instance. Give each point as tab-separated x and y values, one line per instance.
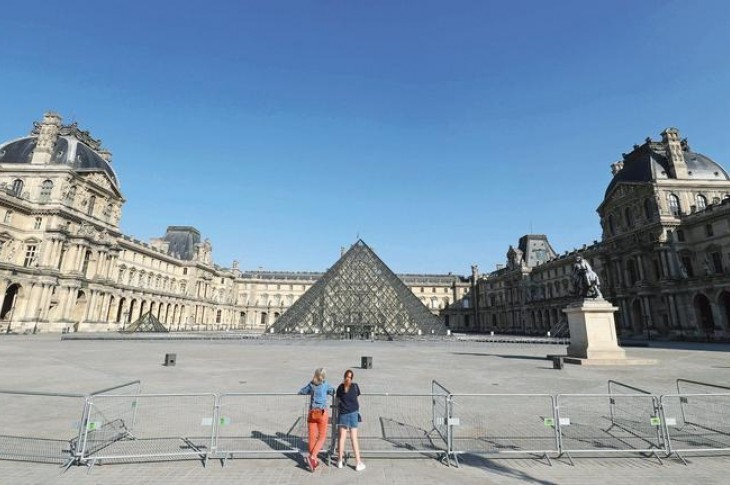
146	323
359	297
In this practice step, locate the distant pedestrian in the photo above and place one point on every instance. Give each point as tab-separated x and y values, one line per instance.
318	389
349	412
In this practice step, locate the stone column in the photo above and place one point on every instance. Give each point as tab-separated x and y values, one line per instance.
671	311
33	302
89	312
641	268
45	300
664	263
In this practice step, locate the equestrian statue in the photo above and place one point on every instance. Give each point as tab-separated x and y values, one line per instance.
585	281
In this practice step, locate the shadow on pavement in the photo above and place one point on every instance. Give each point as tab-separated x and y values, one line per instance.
491	465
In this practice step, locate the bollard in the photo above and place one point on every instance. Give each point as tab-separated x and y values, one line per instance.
170	360
366	362
557	362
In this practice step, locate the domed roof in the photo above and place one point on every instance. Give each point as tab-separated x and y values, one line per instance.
648	162
73	147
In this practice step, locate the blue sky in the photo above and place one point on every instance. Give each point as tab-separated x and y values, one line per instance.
438	132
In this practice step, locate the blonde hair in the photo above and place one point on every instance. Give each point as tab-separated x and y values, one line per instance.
319	376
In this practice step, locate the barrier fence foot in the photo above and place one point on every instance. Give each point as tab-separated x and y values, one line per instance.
570	459
69	462
658	458
681	458
547	457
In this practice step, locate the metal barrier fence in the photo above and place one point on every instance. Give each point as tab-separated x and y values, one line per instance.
121	424
600	423
117	416
401	423
696	422
440	411
254	423
158	426
503	423
40	426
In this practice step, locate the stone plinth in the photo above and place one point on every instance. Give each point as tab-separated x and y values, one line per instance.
593	338
593	330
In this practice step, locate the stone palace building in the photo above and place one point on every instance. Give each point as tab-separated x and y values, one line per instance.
64	264
663	259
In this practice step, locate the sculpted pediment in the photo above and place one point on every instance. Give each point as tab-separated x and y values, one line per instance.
101	180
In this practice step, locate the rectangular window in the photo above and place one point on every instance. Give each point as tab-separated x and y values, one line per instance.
8	217
687	263
717	262
708	230
30	255
38	223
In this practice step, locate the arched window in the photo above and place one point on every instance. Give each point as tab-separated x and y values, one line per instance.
17	187
701	202
673	204
46	189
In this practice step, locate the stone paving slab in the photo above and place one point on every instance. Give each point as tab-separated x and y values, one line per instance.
44	363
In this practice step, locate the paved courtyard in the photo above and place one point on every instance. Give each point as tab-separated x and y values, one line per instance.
44	363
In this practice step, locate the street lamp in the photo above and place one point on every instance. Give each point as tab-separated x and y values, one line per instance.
12	311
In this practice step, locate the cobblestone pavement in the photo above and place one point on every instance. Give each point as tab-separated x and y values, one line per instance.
43	363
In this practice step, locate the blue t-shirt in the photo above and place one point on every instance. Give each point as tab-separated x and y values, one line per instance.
319	394
348	399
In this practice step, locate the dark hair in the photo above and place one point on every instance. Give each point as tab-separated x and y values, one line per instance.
349	371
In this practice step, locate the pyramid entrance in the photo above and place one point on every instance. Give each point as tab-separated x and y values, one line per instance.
359	298
146	323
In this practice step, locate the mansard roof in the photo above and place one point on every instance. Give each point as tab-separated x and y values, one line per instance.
74	148
648	162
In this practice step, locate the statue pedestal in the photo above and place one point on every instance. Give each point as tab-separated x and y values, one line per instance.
593	335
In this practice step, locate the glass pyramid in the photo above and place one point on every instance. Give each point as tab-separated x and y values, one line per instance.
359	297
146	323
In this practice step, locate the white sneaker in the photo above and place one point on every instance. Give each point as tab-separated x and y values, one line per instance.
339	464
360	467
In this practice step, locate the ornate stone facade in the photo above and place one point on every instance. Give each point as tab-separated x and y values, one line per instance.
64	264
664	256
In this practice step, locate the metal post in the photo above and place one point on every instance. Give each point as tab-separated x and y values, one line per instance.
12	311
37	317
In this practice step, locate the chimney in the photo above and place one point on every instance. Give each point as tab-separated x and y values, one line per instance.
675	154
105	154
48	130
616	167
